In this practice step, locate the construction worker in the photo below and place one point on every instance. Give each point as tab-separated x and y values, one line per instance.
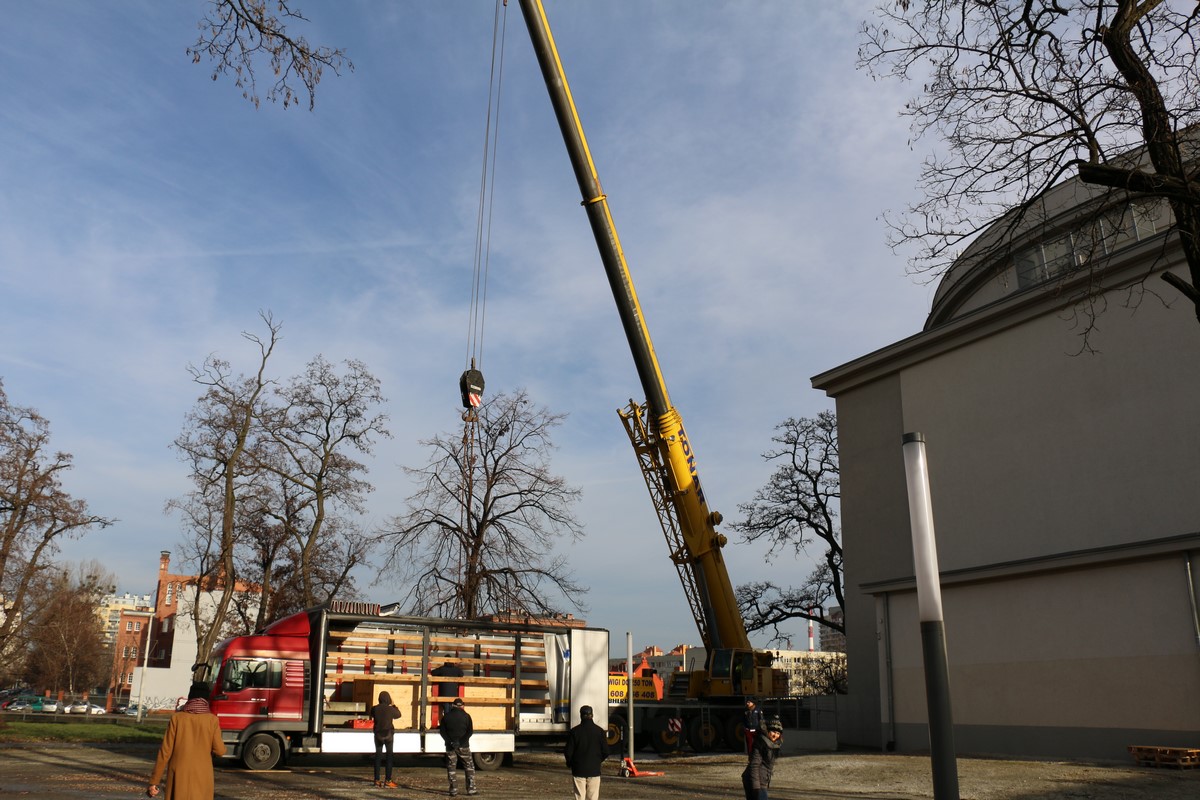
456	728
752	722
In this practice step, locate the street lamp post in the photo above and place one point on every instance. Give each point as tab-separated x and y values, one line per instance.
933	630
141	707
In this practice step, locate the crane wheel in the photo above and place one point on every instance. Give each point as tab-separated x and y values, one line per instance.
735	733
703	736
617	731
663	738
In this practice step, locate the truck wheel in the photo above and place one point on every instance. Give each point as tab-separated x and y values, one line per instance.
616	731
703	736
261	752
735	734
487	762
663	739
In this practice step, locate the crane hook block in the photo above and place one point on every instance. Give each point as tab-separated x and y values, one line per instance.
470	385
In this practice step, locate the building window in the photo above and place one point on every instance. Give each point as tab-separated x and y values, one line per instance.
129	679
166	624
133	653
1098	236
125	652
170	590
128	625
137	626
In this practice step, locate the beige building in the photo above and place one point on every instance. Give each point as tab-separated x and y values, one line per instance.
1065	495
110	608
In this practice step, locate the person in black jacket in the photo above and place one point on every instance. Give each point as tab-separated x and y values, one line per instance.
756	778
587	747
383	717
751	723
456	728
447	689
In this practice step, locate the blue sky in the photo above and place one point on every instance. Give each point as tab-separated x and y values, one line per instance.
148	213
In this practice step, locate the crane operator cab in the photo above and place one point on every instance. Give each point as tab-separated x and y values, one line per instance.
736	672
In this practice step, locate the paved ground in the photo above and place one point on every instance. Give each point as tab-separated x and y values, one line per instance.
76	772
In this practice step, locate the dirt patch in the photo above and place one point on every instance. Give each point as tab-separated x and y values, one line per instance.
83	772
878	775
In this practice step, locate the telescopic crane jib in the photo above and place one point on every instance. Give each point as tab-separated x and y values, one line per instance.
656	430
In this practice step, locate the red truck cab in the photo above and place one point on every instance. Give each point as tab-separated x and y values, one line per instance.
263	683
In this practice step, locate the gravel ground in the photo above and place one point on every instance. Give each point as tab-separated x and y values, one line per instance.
97	773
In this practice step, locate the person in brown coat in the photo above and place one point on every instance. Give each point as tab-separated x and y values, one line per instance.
193	737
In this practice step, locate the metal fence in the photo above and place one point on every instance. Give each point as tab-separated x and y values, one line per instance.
813	713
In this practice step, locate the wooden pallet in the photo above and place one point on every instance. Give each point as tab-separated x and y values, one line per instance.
1176	757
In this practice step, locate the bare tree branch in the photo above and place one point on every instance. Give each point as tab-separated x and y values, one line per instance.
36	516
797	508
1026	92
479	533
321	416
235	34
217	436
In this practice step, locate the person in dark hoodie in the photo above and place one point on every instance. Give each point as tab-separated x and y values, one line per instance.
456	728
756	778
587	747
383	718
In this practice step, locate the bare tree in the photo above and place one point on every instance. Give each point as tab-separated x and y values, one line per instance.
268	522
797	507
1025	92
36	516
217	435
277	489
824	676
321	416
478	535
236	34
67	636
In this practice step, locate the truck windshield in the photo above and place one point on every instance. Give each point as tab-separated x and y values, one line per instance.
252	673
211	668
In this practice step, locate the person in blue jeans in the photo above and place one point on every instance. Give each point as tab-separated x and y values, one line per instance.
383	723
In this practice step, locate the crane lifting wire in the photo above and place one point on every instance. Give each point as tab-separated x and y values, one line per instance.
470	383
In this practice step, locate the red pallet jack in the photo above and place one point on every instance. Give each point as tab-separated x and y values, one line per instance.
630	770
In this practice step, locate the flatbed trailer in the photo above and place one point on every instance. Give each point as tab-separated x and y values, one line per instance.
306	683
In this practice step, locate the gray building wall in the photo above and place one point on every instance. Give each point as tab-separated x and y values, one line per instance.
1067	516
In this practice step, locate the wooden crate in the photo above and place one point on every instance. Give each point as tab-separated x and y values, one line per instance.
1176	757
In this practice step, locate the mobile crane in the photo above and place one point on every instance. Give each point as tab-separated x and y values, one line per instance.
733	669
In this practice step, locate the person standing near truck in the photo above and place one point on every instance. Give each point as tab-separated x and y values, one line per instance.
456	728
447	689
193	737
587	747
383	718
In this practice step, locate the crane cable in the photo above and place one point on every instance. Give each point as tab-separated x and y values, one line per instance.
471	382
